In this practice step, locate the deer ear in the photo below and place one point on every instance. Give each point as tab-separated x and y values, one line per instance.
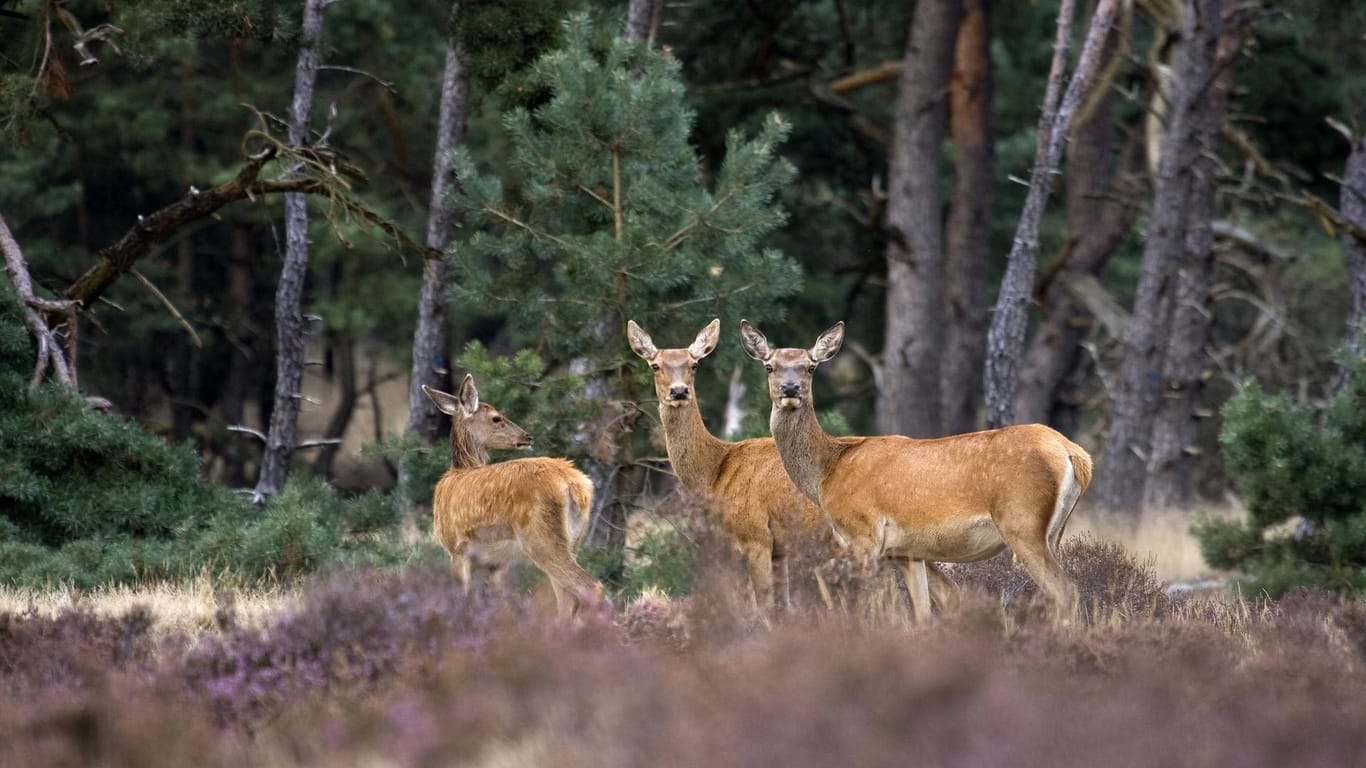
469	396
828	343
706	340
640	341
754	342
445	402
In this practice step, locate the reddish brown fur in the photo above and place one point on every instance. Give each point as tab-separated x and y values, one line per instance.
759	506
953	499
541	504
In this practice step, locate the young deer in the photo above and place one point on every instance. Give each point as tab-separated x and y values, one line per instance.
760	508
955	499
542	504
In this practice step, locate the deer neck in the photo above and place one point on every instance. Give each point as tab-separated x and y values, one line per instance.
695	453
807	451
465	452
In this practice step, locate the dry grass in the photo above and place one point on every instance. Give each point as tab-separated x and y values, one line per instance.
1161	538
184	610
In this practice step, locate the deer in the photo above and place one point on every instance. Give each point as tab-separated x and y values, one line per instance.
760	509
956	499
539	504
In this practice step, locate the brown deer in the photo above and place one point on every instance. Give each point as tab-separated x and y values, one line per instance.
759	507
954	499
541	504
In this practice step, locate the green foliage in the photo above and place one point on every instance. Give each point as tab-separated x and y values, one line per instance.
1303	470
602	213
663	560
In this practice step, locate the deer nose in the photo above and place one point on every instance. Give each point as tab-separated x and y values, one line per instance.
789	389
678	392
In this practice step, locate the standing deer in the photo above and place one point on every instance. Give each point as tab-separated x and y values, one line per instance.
954	499
761	509
541	503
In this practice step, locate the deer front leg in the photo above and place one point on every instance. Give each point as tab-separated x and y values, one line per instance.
759	563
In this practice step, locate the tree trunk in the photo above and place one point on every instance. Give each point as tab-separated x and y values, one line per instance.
967	238
642	21
1138	385
431	357
1005	339
1101	201
344	367
289	321
909	403
1172	460
1353	206
232	404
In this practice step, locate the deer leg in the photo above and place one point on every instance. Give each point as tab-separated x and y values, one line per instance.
782	585
759	563
943	590
462	567
918	585
573	586
1049	575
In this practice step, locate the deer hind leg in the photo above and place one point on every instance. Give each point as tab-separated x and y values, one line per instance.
943	590
574	587
918	588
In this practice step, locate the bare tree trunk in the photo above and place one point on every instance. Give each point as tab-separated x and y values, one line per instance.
53	354
909	402
967	238
1101	202
642	21
1172	459
232	403
1353	206
344	366
289	321
431	344
1138	385
1005	339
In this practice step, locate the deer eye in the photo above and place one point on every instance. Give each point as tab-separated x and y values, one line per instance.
497	419
810	369
694	366
654	366
768	368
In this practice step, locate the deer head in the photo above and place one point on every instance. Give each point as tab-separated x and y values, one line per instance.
475	424
789	369
674	369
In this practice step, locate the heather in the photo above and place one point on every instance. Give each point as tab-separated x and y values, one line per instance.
397	667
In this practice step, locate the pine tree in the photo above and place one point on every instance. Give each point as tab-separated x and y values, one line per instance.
603	215
1302	467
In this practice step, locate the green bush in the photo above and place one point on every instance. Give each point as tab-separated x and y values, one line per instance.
88	498
1303	472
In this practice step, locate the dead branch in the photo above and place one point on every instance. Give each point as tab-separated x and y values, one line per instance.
324	174
53	354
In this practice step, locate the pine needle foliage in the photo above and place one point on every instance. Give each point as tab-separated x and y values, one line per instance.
1302	471
603	212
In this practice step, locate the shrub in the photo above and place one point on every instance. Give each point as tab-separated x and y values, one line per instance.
1299	468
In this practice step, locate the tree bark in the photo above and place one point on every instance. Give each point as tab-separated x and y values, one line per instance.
289	321
431	342
1172	459
1353	206
53	354
642	21
1005	339
967	238
1138	384
1101	201
909	402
